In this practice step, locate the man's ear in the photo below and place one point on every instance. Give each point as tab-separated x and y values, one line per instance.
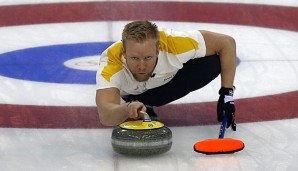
157	49
123	52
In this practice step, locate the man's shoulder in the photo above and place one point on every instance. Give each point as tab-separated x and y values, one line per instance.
111	60
115	51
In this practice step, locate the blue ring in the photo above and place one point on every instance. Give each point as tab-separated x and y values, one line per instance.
45	64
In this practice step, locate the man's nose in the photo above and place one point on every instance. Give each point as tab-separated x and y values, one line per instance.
142	64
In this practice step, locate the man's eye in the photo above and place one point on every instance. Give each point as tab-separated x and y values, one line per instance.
134	58
148	57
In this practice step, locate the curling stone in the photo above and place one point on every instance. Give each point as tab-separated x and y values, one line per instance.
142	137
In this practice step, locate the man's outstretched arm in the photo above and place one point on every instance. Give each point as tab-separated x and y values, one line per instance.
111	112
225	47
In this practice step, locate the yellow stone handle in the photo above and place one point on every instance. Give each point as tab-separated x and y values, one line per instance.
144	116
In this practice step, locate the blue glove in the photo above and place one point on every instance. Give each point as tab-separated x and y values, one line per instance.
225	105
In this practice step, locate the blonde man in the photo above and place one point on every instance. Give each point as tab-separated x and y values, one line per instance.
152	67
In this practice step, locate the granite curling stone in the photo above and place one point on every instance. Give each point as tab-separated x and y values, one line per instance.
142	138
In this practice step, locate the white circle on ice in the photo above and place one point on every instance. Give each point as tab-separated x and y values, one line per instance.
89	63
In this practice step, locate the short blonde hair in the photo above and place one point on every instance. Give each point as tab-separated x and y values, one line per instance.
140	31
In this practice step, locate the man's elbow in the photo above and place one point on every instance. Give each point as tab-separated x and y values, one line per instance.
230	41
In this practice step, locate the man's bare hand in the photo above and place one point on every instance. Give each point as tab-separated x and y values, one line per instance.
133	109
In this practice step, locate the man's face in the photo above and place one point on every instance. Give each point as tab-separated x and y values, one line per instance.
141	58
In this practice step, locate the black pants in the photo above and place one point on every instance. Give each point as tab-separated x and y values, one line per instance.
194	75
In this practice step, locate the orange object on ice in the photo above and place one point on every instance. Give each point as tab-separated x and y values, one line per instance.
219	146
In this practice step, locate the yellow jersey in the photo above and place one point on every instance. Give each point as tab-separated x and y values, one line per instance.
176	48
